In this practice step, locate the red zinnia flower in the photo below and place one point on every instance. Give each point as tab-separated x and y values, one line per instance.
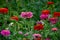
56	14
49	3
45	11
38	27
14	18
3	10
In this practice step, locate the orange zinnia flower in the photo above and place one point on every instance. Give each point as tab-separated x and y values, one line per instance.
45	11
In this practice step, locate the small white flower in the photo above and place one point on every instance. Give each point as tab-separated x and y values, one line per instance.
11	24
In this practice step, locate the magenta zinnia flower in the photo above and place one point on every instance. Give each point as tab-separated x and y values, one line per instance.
5	32
44	16
53	20
26	15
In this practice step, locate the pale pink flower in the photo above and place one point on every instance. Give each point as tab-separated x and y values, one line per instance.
36	35
26	15
20	32
54	29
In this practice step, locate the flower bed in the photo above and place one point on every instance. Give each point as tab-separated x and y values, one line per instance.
30	20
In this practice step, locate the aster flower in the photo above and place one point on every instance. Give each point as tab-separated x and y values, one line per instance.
5	32
3	10
26	15
40	22
20	32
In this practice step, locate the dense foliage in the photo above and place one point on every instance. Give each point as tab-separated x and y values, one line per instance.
29	19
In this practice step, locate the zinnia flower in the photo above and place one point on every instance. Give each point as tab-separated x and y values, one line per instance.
3	10
49	3
54	29
45	11
36	35
44	16
26	15
5	32
56	14
14	18
53	20
38	27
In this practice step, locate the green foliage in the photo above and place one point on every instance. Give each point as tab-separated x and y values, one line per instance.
36	6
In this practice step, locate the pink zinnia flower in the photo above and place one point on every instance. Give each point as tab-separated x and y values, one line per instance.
36	35
53	20
5	32
54	29
26	15
44	16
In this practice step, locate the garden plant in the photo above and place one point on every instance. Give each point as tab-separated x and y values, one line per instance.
29	19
